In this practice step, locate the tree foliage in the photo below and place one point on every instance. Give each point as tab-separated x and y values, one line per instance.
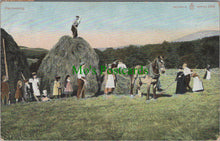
197	53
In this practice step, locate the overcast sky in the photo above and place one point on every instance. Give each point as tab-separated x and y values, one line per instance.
106	24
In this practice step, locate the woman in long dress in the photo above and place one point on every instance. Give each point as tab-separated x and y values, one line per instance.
207	73
35	86
110	83
197	83
181	83
68	90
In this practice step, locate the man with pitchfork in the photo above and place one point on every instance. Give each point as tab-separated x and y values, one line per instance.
81	81
75	26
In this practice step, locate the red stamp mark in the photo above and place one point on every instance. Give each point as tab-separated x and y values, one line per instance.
14	8
193	6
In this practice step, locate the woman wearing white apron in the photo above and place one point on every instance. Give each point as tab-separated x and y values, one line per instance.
110	83
35	85
208	77
197	83
207	73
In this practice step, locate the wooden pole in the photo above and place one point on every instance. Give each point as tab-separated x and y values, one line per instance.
6	65
22	76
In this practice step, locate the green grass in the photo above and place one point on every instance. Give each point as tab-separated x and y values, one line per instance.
193	116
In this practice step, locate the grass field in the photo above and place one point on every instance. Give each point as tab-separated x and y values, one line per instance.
193	116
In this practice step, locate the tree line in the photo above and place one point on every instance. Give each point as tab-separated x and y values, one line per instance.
197	53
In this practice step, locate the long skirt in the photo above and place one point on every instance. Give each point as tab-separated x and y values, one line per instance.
68	90
181	86
18	93
197	85
208	76
110	82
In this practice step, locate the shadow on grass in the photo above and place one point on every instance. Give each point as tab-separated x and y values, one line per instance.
159	95
98	94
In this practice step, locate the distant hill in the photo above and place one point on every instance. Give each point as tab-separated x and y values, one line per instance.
101	49
104	48
198	35
34	56
33	53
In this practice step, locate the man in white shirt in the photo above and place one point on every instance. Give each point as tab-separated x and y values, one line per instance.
81	81
81	74
121	65
187	73
75	25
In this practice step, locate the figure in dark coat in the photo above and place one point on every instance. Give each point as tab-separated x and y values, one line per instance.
28	93
181	82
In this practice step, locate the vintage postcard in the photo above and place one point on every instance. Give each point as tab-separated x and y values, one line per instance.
109	70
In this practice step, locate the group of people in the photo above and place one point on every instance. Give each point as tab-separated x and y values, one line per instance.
183	76
26	90
183	80
29	90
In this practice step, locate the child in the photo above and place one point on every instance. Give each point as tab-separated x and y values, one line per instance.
68	90
56	87
18	93
44	97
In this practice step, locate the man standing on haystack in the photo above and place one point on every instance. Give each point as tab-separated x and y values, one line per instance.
74	26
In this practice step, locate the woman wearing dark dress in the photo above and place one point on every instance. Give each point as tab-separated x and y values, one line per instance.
181	83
